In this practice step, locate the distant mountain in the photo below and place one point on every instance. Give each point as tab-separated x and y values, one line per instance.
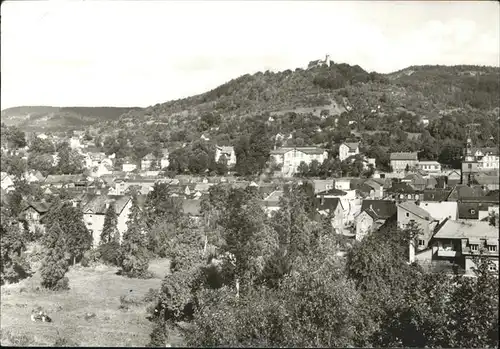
38	118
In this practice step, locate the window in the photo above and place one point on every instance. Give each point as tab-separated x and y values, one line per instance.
407	214
421	243
492	248
474	247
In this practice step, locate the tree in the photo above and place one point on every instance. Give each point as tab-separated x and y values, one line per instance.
134	248
17	167
55	264
221	166
13	266
110	231
303	169
77	237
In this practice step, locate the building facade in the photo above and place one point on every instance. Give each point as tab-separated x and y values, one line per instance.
347	150
289	159
401	161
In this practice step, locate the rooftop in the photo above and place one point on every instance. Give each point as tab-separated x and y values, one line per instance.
379	209
460	229
404	156
416	210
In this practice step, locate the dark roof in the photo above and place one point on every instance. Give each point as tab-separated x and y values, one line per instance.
464	191
470	210
379	209
63	179
483	199
332	192
436	194
326	203
403	188
40	207
97	203
352	145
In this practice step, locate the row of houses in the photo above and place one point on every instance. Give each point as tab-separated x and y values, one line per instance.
487	159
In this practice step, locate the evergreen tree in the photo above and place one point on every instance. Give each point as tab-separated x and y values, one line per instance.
55	264
134	261
78	238
110	231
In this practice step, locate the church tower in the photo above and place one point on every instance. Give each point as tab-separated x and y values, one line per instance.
469	164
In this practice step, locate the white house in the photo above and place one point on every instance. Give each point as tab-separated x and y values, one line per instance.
348	149
94	212
289	158
74	143
399	161
7	183
429	166
128	167
488	159
228	152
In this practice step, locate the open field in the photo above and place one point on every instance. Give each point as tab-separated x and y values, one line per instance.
93	290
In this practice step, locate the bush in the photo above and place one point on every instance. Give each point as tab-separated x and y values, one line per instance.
110	253
90	258
64	342
126	301
62	284
151	295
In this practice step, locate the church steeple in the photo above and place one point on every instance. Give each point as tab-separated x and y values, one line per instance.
469	156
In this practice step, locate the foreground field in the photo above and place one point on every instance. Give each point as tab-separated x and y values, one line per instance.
93	290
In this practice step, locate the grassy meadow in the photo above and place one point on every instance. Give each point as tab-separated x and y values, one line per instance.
92	290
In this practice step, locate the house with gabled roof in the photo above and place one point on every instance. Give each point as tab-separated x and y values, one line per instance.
372	216
147	161
33	213
94	209
227	152
400	161
7	183
331	207
348	149
272	201
289	158
409	212
454	244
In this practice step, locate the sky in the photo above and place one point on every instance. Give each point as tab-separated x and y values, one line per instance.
139	53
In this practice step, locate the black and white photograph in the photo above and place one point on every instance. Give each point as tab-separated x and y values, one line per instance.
280	174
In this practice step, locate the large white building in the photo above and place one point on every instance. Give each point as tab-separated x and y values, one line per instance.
228	152
289	158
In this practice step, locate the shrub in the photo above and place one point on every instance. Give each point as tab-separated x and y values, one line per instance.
64	342
110	253
126	301
62	284
151	295
90	257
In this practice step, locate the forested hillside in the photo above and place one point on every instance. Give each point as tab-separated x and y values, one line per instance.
421	109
